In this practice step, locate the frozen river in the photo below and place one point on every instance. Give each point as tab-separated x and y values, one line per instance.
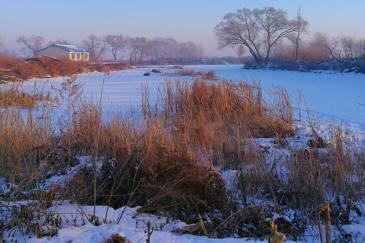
331	96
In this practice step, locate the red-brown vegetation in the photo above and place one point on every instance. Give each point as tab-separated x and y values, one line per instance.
15	69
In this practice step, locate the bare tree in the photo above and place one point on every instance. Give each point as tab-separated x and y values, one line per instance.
240	29
138	48
300	27
258	30
32	43
96	47
160	50
361	48
164	48
190	50
332	45
116	43
348	45
275	26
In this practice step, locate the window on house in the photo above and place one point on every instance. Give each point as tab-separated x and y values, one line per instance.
86	56
78	56
72	55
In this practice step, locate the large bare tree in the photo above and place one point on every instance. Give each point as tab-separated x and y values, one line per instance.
116	44
258	30
96	47
31	44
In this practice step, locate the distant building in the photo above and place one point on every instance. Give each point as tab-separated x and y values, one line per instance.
61	51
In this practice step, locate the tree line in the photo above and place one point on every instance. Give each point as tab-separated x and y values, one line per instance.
268	33
135	50
264	34
140	49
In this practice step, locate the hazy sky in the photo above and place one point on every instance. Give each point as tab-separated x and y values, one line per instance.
183	20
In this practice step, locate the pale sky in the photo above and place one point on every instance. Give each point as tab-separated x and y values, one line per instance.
183	20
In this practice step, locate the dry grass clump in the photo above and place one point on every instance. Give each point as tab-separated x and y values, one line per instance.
14	97
116	238
228	106
146	167
334	172
197	74
308	177
175	67
14	69
211	118
24	141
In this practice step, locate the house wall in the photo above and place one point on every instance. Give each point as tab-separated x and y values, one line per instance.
54	52
79	56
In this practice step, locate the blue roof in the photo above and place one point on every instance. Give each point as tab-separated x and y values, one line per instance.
67	47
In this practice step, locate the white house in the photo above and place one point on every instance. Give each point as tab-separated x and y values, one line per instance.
61	51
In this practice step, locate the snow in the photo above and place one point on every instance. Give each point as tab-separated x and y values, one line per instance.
4	186
62	179
76	228
327	95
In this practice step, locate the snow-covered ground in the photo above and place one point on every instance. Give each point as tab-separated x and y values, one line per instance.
132	226
327	95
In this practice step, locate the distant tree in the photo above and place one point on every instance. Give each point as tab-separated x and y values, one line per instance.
116	44
32	43
258	30
164	48
333	46
349	47
240	50
96	47
190	50
138	48
160	50
361	48
2	48
62	41
320	48
300	27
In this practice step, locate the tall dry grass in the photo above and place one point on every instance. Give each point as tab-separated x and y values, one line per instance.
209	118
13	96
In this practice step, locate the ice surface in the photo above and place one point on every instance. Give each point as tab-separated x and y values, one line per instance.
328	96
